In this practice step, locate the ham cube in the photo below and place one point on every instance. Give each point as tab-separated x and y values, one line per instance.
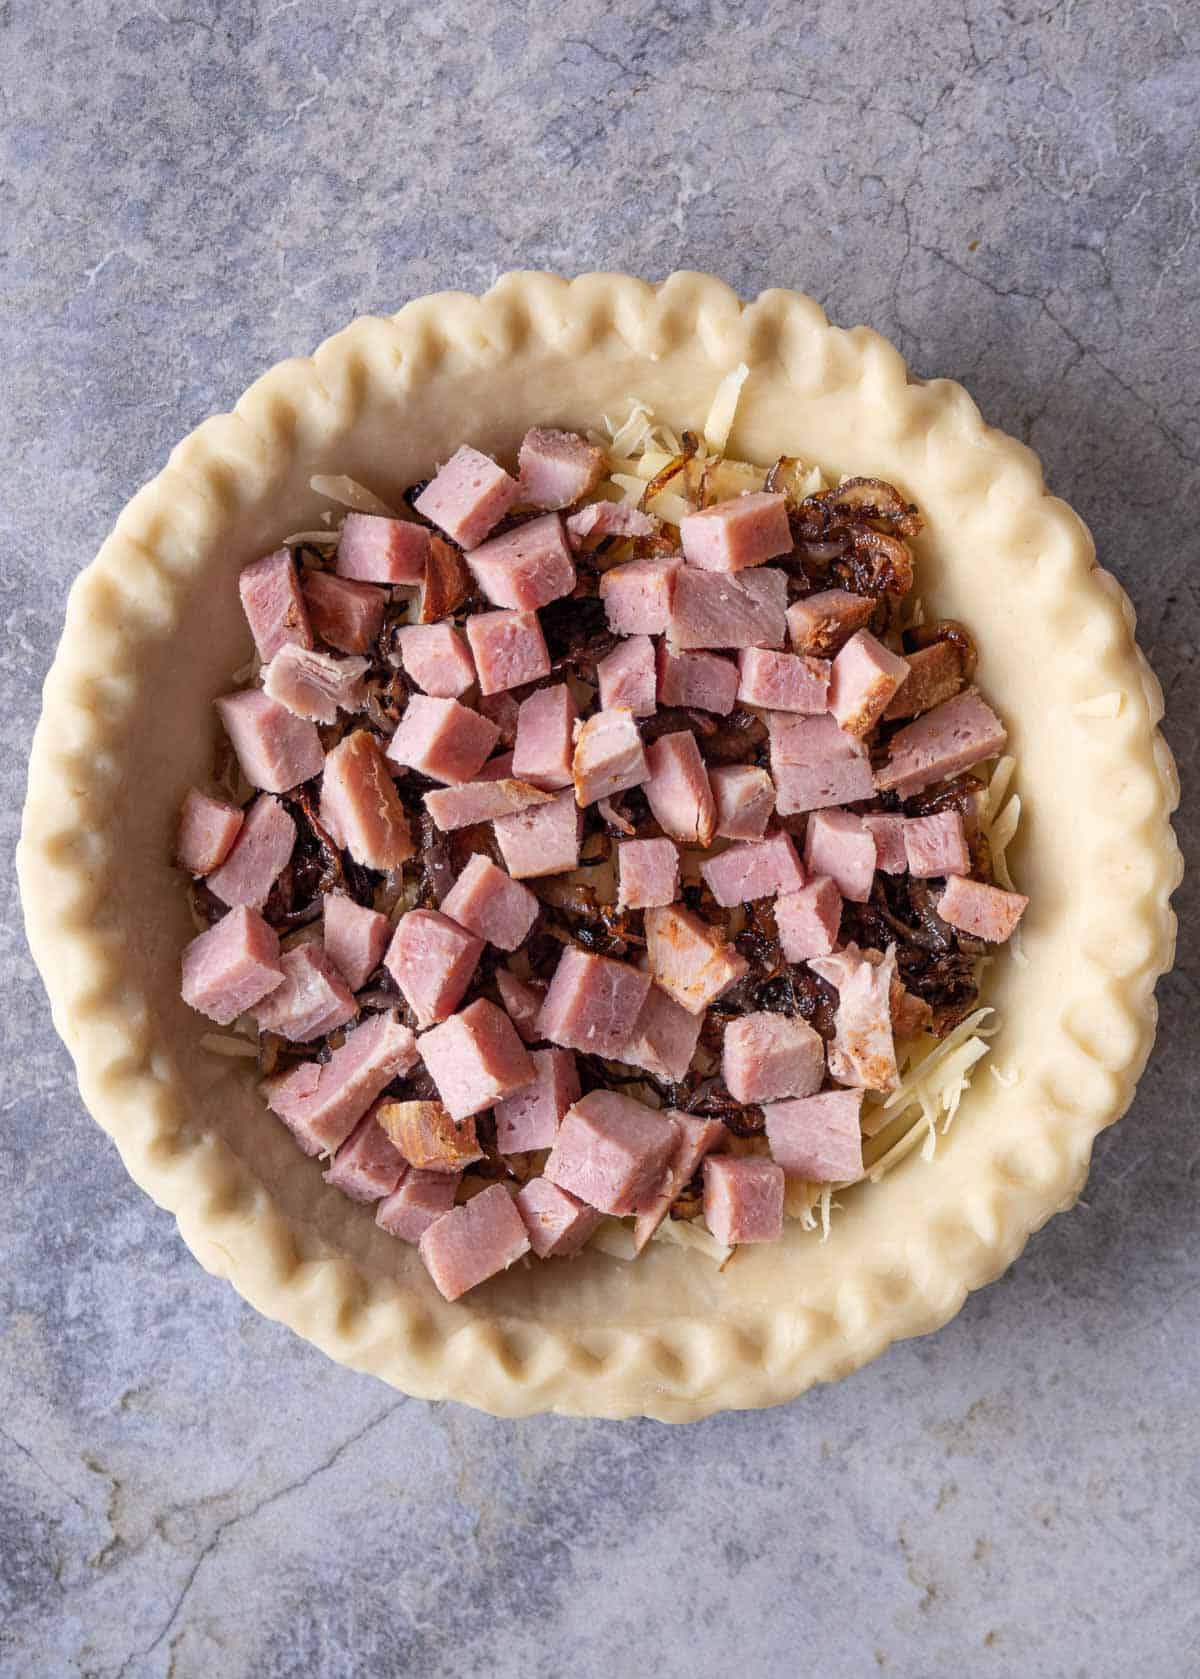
600	519
664	1038
345	615
716	609
703	680
888	834
473	1242
985	912
649	873
321	1104
695	1138
558	468
818	1138
863	1051
678	790
437	659
355	938
837	843
735	534
753	869
368	1165
743	1199
545	741
509	649
418	1200
475	1058
490	904
315	685
525	568
935	673
609	756
864	677
638	597
953	736
314	998
232	966
542	839
807	921
378	550
273	604
529	1118
360	805
769	1056
611	1152
467	496
522	1001
689	959
276	750
814	764
627	678
936	845
593	1003
557	1223
442	739
433	960
782	681
481	801
260	854
207	830
822	624
744	798
428	1138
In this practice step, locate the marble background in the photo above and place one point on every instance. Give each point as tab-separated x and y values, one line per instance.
194	188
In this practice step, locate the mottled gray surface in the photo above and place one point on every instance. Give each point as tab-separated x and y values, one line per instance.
193	189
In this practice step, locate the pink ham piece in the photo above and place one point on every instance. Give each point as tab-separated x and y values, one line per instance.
649	873
473	1242
502	710
814	764
753	869
557	1223
419	1200
782	681
703	680
558	468
315	685
818	1138
936	845
360	805
864	677
593	1003
273	604
838	844
522	1001
695	1138
437	659
953	736
743	1199
541	840
345	615
467	496
232	966
433	960
545	738
378	550
207	830
276	750
689	959
355	938
745	800
481	801
260	853
601	519
863	1051
638	596
611	1152
807	921
822	624
428	1138
488	903
985	912
627	678
609	756
509	649
715	609
888	834
321	1104
368	1165
769	1056
442	739
313	999
664	1039
678	790
935	673
525	568
475	1058
735	534
529	1118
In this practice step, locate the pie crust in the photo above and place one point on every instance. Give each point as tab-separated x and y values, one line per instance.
154	629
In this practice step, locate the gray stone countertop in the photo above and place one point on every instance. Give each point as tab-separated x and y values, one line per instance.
191	190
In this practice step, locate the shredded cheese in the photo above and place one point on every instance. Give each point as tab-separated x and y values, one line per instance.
217	1044
348	491
1008	1080
719	423
690	1233
1101	705
613	1238
298	537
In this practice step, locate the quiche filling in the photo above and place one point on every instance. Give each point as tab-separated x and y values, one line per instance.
602	852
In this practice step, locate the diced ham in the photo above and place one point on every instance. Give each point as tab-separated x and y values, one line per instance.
935	674
822	624
545	739
611	1152
355	938
838	843
888	833
717	609
529	1118
313	999
467	496
503	710
276	750
864	677
260	853
543	839
626	677
782	681
522	1001
593	1003
474	1058
232	966
768	1056
273	604
704	680
490	904
600	519
814	764
207	830
807	921
315	685
985	912
678	790
509	649
557	1223
695	1137
372	549
689	959
752	869
953	736
419	1200
427	1138
743	1199
321	1104
481	801
360	805
936	845
433	960
437	659
558	468
745	800
863	1051
609	756
442	739
648	873
741	532
473	1242
345	615
638	596
368	1165
818	1138
664	1038
525	568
